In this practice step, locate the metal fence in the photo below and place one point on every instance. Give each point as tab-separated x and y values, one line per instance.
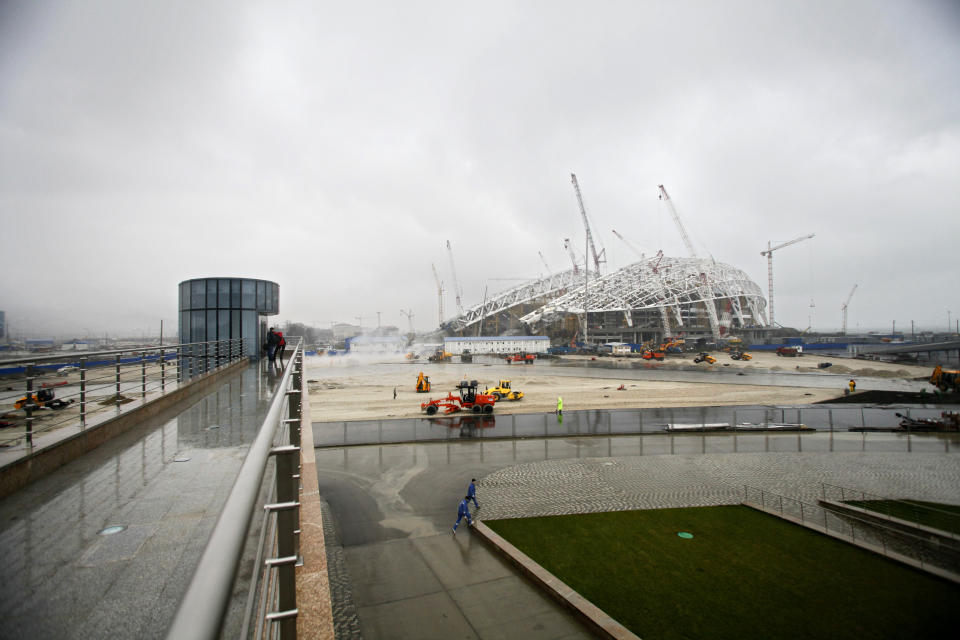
271	604
884	506
921	551
42	394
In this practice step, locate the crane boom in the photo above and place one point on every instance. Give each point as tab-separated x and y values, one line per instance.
597	258
573	256
629	245
456	285
436	277
843	308
676	220
769	254
544	260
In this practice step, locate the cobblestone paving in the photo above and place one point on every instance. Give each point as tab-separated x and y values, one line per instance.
557	487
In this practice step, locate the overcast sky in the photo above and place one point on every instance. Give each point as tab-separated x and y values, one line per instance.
334	147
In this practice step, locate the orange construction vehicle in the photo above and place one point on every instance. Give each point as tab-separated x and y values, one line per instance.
423	383
468	400
945	379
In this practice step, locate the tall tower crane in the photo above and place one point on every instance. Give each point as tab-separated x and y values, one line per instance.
436	277
769	254
844	309
456	285
597	257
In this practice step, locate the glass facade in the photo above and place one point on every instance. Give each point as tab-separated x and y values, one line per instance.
226	309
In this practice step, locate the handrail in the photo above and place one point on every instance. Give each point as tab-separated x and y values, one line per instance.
73	355
202	609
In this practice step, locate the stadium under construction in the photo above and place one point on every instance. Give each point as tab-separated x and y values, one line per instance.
652	299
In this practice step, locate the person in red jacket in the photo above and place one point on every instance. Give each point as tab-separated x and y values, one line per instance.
281	345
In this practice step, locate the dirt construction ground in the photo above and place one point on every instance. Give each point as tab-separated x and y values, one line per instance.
341	390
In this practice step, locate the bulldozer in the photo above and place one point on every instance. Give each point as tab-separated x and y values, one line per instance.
945	379
423	383
503	390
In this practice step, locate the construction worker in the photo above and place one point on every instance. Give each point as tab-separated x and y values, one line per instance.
853	386
463	511
472	493
559	406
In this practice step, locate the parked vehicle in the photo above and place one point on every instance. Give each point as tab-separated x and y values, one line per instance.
705	357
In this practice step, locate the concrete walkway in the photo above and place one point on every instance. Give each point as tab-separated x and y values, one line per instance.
396	571
164	482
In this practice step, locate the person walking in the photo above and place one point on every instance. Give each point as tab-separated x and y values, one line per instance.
463	511
472	493
559	406
281	346
853	386
272	344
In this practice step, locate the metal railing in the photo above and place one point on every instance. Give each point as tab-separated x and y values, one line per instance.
201	613
42	394
892	508
897	544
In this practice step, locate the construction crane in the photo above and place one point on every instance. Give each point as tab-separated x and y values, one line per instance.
846	304
706	292
630	246
544	261
769	254
676	220
409	314
436	277
573	256
456	285
597	257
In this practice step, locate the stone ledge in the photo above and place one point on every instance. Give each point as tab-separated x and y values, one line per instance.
598	621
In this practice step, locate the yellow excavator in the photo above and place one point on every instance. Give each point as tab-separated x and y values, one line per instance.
503	391
945	379
423	383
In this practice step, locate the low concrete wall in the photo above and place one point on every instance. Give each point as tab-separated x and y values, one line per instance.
44	460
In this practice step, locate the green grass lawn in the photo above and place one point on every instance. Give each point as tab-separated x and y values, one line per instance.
744	574
945	517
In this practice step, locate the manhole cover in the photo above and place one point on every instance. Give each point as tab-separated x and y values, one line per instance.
181	459
112	529
684	534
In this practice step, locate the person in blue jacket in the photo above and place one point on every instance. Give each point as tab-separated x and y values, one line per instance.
472	493
463	512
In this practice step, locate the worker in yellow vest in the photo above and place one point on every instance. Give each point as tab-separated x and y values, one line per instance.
559	406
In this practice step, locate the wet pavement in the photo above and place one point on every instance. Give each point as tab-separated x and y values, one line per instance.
396	569
164	483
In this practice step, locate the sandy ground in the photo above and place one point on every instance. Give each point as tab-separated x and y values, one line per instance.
366	391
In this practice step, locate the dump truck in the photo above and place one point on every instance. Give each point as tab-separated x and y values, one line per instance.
467	400
789	352
945	379
503	390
